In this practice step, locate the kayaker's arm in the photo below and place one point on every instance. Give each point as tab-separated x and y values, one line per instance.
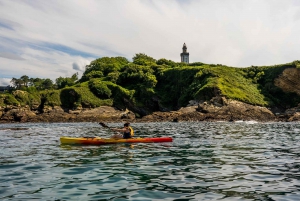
119	129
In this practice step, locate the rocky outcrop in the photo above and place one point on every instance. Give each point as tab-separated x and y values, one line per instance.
58	114
16	114
289	80
236	110
292	114
295	117
217	109
104	112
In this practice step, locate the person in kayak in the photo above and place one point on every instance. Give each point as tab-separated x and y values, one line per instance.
127	132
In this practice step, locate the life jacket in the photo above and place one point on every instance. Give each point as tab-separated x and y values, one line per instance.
129	134
131	131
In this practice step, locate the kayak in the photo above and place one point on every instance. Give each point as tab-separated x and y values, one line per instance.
102	141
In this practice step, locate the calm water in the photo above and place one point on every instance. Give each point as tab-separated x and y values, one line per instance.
206	161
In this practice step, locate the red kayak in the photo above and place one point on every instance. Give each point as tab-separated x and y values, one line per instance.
102	141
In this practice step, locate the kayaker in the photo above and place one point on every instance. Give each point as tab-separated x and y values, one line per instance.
127	132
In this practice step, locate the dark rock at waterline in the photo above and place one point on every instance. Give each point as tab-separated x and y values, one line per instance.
217	109
14	129
58	114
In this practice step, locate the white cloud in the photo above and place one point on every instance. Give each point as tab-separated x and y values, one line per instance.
5	81
9	55
58	38
80	64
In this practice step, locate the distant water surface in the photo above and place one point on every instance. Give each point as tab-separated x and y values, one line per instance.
206	161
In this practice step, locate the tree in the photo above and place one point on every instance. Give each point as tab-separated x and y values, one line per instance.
16	82
102	67
47	84
100	89
62	82
138	78
143	59
25	80
166	62
37	83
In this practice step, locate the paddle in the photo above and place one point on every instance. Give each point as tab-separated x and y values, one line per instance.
104	125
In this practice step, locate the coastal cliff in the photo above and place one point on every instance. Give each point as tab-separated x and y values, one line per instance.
112	89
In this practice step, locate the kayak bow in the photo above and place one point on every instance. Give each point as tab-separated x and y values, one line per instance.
102	141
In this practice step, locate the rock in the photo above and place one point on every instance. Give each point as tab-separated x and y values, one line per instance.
289	80
57	114
295	117
75	111
217	101
215	110
18	115
175	119
35	106
218	108
1	111
47	109
57	109
187	109
193	103
292	111
128	115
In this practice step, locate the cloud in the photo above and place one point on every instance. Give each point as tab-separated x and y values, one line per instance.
8	24
50	39
4	25
80	64
9	55
76	66
5	81
60	48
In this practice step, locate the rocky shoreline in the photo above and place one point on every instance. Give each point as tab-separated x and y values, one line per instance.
217	109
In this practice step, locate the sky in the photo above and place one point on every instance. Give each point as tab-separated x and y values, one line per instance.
55	38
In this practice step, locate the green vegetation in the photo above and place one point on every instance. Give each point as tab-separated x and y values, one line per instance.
81	96
232	82
102	67
23	97
8	99
62	82
50	97
174	86
264	76
146	85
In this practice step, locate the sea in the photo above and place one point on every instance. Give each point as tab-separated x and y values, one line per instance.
244	160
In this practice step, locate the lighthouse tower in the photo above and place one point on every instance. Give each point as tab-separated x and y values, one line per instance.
184	55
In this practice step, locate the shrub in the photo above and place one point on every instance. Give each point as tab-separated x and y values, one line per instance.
73	97
100	89
143	59
103	66
21	97
51	98
9	99
120	95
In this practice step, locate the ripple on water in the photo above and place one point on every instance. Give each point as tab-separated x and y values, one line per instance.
206	161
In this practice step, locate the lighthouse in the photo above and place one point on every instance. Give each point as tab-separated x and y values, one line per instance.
184	55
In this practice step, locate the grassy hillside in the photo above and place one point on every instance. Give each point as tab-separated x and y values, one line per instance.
147	85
